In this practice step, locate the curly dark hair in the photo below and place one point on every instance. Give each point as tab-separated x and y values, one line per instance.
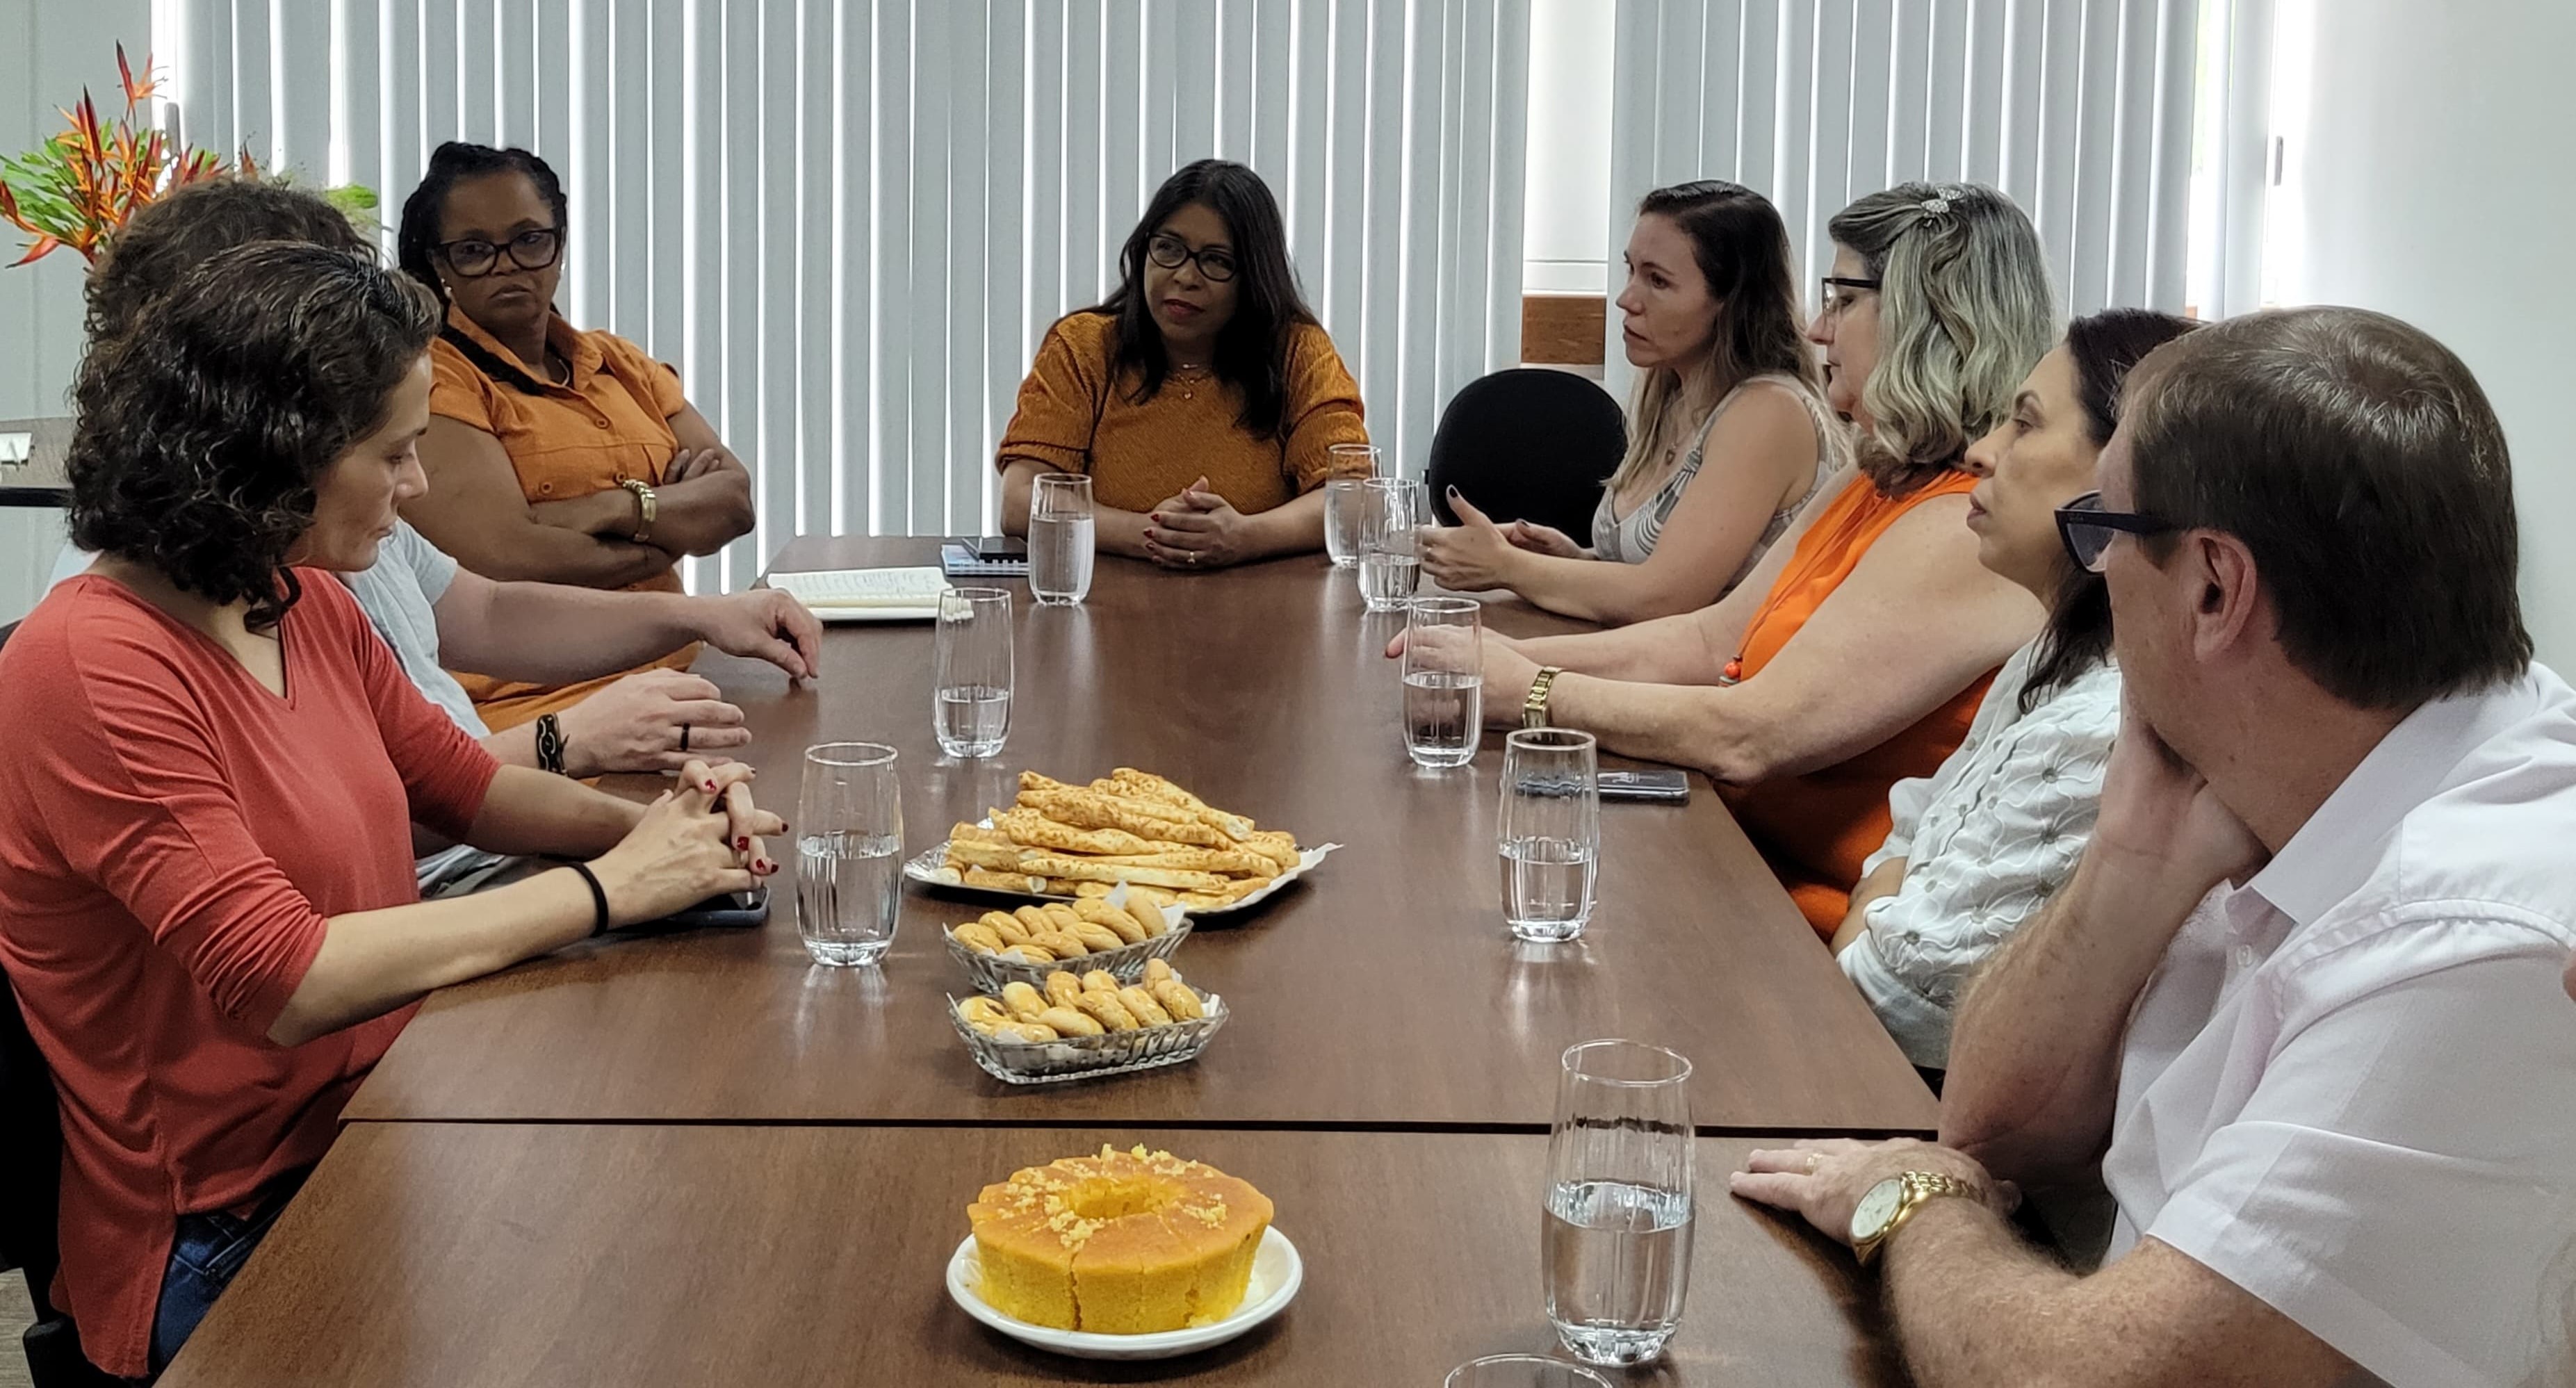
201	430
166	239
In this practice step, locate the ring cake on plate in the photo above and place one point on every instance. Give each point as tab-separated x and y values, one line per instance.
1124	1243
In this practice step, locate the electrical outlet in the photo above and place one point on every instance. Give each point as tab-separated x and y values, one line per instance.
16	447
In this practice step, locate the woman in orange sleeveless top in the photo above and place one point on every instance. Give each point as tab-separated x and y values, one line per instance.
1857	656
553	454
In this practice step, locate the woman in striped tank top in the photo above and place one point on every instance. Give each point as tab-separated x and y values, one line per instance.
1729	435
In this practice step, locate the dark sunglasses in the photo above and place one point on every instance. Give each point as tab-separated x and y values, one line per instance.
2087	529
473	258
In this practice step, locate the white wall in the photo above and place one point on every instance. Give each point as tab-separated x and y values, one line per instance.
48	51
2435	185
1568	208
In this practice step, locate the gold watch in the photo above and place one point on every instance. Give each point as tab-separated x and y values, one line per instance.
645	507
1885	1207
1534	708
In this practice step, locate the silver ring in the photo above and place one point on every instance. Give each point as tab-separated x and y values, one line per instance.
1814	1160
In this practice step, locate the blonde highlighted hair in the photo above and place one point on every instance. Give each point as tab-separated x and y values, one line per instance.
1964	311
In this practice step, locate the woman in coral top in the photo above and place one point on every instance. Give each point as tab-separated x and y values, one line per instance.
1856	658
1203	399
554	454
207	903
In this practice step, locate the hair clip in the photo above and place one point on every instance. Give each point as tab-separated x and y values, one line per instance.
1936	206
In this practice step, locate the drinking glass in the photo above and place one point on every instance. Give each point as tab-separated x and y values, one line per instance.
1523	1371
1551	832
1392	513
1060	545
849	852
1616	1256
1353	464
1444	681
971	689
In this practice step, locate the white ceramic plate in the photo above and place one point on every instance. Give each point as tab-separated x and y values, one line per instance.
1277	1272
930	868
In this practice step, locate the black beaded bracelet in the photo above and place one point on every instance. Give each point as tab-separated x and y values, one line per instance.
598	897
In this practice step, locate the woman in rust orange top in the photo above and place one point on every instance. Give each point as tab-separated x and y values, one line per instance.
1857	656
553	454
1203	399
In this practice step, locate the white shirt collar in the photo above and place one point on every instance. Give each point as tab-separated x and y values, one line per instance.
2331	855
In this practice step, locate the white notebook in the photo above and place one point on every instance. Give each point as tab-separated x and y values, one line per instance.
866	595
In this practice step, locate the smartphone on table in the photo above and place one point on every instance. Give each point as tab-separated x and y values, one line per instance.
1672	787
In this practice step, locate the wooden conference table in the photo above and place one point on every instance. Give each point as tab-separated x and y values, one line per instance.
701	1159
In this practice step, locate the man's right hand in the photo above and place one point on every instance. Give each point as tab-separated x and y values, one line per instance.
2159	817
636	725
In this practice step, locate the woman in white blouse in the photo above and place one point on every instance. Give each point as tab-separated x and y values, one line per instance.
1977	848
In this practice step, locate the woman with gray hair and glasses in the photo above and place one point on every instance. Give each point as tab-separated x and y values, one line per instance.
1856	658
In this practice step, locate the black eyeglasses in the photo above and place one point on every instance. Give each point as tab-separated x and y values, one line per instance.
2087	529
1850	289
1169	251
473	257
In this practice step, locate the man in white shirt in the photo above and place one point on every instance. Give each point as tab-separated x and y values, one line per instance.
2296	1000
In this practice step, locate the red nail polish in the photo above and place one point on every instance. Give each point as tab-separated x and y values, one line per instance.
742	844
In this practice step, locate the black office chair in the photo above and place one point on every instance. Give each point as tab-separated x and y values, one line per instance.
31	1166
1528	444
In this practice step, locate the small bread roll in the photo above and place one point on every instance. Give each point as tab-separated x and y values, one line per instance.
1106	1009
1029	954
1142	1003
1062	915
1032	920
1157	970
1024	1001
1177	999
1068	1022
1147	914
983	1014
1063	988
1025	1033
1065	946
1127	928
977	937
1099	938
1099	981
1007	928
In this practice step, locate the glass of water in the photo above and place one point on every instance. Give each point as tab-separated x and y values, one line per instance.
1444	681
1392	514
1060	539
1353	464
849	852
1551	832
1523	1371
1617	1252
971	687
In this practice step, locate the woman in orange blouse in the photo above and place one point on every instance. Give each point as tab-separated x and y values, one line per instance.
1202	399
553	454
1857	657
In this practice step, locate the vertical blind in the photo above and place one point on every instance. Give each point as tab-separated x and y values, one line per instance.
2080	110
848	222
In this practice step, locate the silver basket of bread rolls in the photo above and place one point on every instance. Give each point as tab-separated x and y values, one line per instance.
1088	1026
1116	933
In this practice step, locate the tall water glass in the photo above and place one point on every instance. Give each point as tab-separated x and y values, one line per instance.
1060	539
1352	465
1551	832
1616	1255
849	852
970	689
1444	681
1392	515
1523	1371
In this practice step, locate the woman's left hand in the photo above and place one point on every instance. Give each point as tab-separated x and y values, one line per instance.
1469	557
1197	530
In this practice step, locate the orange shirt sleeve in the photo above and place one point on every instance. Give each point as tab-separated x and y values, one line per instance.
655	382
456	390
445	772
1323	409
1060	402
